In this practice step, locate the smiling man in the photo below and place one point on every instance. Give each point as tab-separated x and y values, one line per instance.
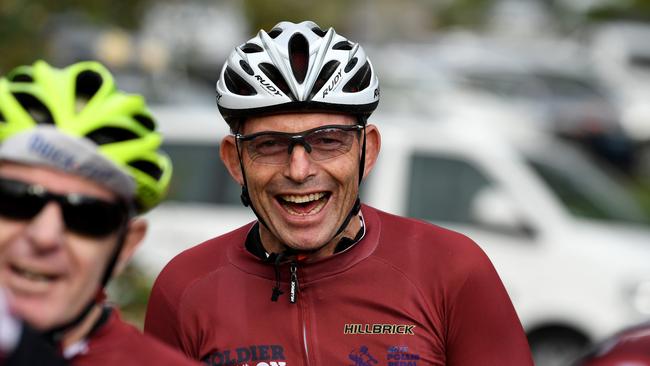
360	286
79	161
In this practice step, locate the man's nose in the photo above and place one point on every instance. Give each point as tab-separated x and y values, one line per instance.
46	230
300	166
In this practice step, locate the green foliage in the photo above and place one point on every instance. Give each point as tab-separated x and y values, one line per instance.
464	13
641	191
638	10
130	292
24	24
20	25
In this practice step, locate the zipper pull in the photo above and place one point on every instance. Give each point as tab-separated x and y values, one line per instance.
293	284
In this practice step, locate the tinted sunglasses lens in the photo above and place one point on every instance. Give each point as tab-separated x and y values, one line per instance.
82	215
94	218
16	202
330	142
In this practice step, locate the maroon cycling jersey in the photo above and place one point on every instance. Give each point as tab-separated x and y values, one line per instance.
628	348
408	294
117	343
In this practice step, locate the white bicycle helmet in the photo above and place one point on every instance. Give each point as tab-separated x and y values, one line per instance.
296	67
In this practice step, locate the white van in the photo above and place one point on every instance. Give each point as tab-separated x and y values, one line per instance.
572	248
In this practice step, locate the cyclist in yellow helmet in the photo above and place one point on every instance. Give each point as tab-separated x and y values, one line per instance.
79	160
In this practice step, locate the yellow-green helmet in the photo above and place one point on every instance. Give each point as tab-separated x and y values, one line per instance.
75	119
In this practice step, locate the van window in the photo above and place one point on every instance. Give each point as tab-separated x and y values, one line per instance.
199	175
586	190
443	188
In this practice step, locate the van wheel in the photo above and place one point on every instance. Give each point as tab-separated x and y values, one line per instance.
556	346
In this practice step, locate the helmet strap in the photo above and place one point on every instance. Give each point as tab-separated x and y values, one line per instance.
245	197
55	335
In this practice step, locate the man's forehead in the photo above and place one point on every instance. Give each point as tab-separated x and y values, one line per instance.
54	179
295	122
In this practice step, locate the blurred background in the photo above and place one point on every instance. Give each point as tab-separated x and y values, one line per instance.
523	123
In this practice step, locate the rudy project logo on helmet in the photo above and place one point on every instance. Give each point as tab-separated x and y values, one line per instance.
273	90
333	83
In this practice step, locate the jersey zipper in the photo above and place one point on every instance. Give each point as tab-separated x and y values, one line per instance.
293	283
294	289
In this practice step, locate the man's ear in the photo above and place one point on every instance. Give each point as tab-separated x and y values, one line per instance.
136	231
373	145
230	158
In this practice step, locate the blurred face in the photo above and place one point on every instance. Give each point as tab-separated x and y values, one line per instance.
305	199
50	272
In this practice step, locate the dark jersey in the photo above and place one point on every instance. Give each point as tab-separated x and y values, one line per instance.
32	350
408	294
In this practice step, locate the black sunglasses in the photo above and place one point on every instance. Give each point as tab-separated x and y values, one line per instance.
84	215
325	142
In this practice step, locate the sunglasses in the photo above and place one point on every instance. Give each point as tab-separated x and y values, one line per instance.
325	142
84	215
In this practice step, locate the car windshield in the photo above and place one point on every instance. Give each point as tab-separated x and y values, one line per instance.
586	190
199	176
571	86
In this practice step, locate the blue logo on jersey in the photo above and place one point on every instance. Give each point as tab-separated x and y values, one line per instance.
362	357
400	356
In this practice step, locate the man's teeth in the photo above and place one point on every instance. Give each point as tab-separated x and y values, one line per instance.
32	275
303	199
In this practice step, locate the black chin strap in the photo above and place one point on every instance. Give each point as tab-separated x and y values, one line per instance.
55	335
245	197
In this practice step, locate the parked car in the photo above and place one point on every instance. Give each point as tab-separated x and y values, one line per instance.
621	56
620	53
569	243
560	94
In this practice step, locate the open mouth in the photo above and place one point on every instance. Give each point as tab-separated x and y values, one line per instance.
304	205
32	275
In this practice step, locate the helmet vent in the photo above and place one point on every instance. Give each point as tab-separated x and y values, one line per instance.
274	74
343	45
324	75
36	109
351	64
2	118
251	48
299	56
21	78
360	80
275	32
145	121
236	84
108	135
319	32
147	167
87	84
246	67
